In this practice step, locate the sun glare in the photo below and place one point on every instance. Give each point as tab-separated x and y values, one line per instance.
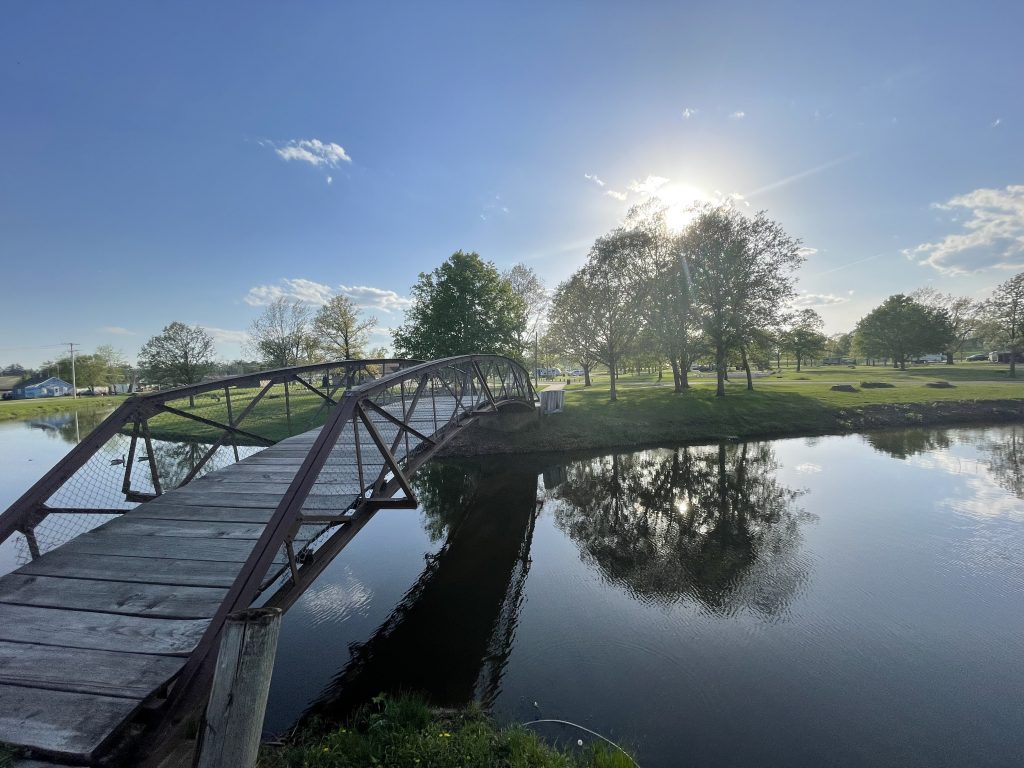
679	199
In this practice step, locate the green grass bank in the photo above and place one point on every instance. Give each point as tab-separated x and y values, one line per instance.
403	732
648	412
26	409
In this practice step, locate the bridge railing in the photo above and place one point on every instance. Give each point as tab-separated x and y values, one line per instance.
161	440
362	460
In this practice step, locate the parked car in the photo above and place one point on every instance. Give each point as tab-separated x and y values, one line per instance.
977	358
576	372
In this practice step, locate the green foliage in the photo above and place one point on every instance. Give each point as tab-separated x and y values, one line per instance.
462	307
901	328
804	338
180	354
403	732
1003	317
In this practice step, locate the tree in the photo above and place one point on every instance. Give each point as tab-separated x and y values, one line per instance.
569	325
901	328
611	292
530	288
281	334
741	272
462	307
339	329
179	355
963	314
804	337
1003	318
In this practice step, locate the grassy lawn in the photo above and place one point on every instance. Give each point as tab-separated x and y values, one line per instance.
649	412
404	733
27	409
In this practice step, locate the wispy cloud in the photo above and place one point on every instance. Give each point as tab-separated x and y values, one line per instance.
689	112
801	175
225	336
592	177
313	151
806	251
648	186
807	300
738	114
997	122
295	289
330	179
367	297
992	236
617	195
117	329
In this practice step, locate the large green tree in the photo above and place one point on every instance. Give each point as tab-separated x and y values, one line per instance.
803	336
901	328
340	331
1003	315
569	325
741	271
963	313
181	354
463	307
528	285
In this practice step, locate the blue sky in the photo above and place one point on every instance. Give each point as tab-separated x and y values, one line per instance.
164	162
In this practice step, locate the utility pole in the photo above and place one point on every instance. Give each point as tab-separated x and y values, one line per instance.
74	384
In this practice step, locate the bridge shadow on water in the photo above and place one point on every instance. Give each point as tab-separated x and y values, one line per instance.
451	635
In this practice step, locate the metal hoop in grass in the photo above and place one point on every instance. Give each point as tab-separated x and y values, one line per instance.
587	730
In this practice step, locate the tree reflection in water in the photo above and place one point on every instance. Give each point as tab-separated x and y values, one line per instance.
451	635
710	523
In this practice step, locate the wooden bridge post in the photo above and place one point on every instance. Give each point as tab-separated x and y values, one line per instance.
238	699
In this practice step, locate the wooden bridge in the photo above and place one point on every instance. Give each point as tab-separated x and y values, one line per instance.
109	630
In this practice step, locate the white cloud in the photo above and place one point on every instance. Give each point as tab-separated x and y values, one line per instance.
807	300
738	114
314	152
998	121
367	297
806	251
296	289
808	467
330	179
224	336
689	112
648	186
992	236
592	177
616	195
117	329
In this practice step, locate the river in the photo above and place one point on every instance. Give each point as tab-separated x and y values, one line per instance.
843	601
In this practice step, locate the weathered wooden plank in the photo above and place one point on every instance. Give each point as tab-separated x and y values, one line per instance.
179	602
181	571
61	724
234	485
189	529
104	543
193	496
124	675
100	631
201	513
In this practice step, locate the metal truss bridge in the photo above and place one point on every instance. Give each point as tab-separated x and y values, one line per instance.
186	505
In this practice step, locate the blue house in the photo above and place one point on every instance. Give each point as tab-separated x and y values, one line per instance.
41	386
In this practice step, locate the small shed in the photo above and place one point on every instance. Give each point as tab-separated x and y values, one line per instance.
41	386
8	383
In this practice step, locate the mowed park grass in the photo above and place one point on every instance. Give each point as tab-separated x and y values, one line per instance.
781	403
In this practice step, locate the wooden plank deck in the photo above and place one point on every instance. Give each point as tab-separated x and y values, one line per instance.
92	629
95	628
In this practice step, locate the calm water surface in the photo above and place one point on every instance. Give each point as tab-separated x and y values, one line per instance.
840	601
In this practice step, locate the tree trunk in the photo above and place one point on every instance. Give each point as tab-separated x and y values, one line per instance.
720	369
586	375
798	359
949	358
675	375
612	374
746	367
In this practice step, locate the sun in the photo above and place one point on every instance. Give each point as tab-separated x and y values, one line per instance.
678	199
